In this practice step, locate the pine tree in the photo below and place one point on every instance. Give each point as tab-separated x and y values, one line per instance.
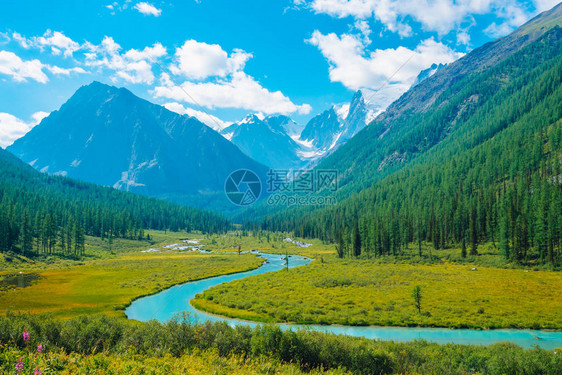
356	239
26	234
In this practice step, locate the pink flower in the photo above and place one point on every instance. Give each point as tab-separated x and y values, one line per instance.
19	366
26	336
37	371
40	348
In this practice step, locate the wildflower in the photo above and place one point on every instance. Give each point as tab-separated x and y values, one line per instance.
19	367
26	336
37	371
40	348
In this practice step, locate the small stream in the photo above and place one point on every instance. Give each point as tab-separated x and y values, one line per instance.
167	303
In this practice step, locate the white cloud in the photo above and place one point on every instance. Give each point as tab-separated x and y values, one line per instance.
4	38
20	70
213	76
216	79
441	16
12	128
148	53
240	91
355	68
463	37
137	72
197	60
148	9
23	41
64	71
133	66
513	17
207	119
56	41
542	5
496	31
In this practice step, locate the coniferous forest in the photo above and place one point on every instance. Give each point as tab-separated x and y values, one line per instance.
428	239
490	171
52	214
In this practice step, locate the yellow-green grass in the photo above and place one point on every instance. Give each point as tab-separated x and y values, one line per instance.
109	285
129	363
95	248
362	292
267	242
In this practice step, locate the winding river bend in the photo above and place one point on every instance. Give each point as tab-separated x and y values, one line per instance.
164	305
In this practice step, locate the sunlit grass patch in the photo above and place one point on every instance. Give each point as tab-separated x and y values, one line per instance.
109	285
360	292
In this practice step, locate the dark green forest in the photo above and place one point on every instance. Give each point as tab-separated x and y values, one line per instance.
484	164
52	214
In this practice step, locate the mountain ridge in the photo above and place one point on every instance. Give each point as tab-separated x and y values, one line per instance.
109	136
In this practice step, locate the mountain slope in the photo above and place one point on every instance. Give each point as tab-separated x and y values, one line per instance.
281	143
321	130
398	135
482	163
335	126
107	135
34	206
267	140
421	97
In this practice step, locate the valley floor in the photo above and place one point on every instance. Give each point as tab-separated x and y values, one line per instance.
79	294
105	283
379	292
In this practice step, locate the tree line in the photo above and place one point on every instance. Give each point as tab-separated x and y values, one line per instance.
48	214
484	165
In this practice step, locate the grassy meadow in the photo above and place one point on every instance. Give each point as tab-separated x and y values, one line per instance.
103	282
378	292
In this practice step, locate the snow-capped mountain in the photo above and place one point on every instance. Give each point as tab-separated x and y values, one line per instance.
269	140
333	127
109	136
426	73
281	143
321	130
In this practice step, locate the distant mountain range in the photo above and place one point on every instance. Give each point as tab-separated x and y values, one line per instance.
108	136
281	143
269	140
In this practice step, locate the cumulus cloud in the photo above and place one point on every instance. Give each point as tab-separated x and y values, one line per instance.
148	9
207	119
148	53
391	70
56	42
213	78
239	91
133	66
441	16
513	17
20	70
196	60
13	128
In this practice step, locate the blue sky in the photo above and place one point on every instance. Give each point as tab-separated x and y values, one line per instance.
293	57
